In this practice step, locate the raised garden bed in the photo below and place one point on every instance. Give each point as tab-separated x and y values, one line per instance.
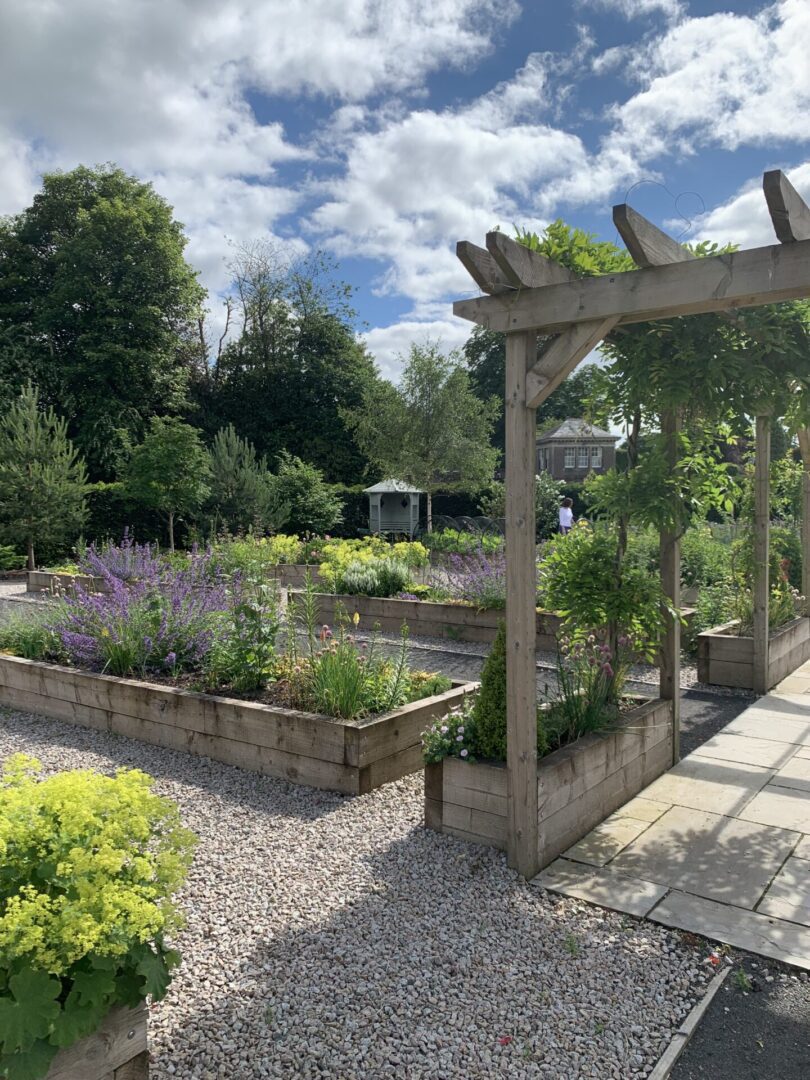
578	786
426	618
350	756
115	1051
46	581
726	659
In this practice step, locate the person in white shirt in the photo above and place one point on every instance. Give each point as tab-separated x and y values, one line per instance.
566	516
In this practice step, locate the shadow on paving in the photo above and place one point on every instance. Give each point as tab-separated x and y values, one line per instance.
755	1035
704	714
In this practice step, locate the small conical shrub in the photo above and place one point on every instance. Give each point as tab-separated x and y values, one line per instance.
490	706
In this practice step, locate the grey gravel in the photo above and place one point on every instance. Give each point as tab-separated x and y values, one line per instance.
335	937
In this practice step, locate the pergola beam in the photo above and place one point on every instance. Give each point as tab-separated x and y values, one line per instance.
789	212
648	245
523	268
481	267
561	356
740	279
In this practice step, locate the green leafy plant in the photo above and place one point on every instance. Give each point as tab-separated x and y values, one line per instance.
454	542
243	646
9	559
90	865
482	716
29	633
590	679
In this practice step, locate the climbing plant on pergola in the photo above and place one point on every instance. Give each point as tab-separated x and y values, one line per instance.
530	296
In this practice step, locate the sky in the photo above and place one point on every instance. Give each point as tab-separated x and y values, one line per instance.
383	131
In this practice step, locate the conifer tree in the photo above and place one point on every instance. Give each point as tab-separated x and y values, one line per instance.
43	480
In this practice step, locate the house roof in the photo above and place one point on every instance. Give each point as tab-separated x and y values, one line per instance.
386	486
576	429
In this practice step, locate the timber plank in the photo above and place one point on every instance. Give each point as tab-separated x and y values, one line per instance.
121	1037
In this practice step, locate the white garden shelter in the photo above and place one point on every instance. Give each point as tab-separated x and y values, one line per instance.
393	508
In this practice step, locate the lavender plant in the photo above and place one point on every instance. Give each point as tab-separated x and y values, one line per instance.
126	562
478	579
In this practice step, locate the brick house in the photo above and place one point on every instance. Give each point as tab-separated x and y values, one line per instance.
573	448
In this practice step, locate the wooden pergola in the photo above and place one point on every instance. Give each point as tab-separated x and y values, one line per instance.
529	295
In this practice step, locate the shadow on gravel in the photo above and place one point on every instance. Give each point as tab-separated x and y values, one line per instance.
704	714
223	782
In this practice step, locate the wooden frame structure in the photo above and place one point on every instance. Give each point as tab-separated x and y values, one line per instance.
529	295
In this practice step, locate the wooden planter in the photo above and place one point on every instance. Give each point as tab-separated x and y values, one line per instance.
45	581
116	1051
455	622
728	660
578	786
351	756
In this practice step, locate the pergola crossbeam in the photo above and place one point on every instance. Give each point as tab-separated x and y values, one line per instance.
481	267
523	268
738	279
789	212
561	356
648	245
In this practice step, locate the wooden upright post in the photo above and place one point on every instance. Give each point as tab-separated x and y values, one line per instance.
762	517
670	682
521	601
804	446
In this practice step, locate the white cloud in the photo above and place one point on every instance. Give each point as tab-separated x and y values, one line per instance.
722	80
632	9
161	87
389	345
744	219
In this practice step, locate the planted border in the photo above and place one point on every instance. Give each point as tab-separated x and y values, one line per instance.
578	785
456	622
46	581
350	756
725	659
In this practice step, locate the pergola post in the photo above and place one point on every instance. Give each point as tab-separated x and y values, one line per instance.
670	559
521	602
762	517
804	447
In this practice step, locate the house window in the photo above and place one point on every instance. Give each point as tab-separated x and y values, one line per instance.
570	457
583	457
596	457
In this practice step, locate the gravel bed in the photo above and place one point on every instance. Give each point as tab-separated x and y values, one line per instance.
335	937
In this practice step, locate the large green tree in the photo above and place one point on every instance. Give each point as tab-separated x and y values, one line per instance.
293	364
431	430
485	357
169	471
98	307
43	481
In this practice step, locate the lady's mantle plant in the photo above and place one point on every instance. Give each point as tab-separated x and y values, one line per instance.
88	868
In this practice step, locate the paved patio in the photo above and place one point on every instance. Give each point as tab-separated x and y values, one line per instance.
719	845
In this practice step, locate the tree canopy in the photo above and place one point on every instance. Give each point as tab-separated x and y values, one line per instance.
98	308
431	431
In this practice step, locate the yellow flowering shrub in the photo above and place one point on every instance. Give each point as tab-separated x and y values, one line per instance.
88	867
338	555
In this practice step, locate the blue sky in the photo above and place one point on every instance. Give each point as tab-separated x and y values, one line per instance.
384	130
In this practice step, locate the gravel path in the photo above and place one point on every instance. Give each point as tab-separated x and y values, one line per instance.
335	937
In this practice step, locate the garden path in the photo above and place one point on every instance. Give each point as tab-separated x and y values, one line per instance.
719	845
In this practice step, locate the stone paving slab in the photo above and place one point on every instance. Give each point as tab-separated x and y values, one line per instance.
602	886
781	807
709	855
642	809
789	894
706	784
794	774
606	840
763	934
802	850
745	750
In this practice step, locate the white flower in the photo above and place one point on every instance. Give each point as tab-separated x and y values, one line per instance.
463	753
444	729
459	738
460	730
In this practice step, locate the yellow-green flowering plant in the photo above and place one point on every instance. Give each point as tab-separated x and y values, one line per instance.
88	868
